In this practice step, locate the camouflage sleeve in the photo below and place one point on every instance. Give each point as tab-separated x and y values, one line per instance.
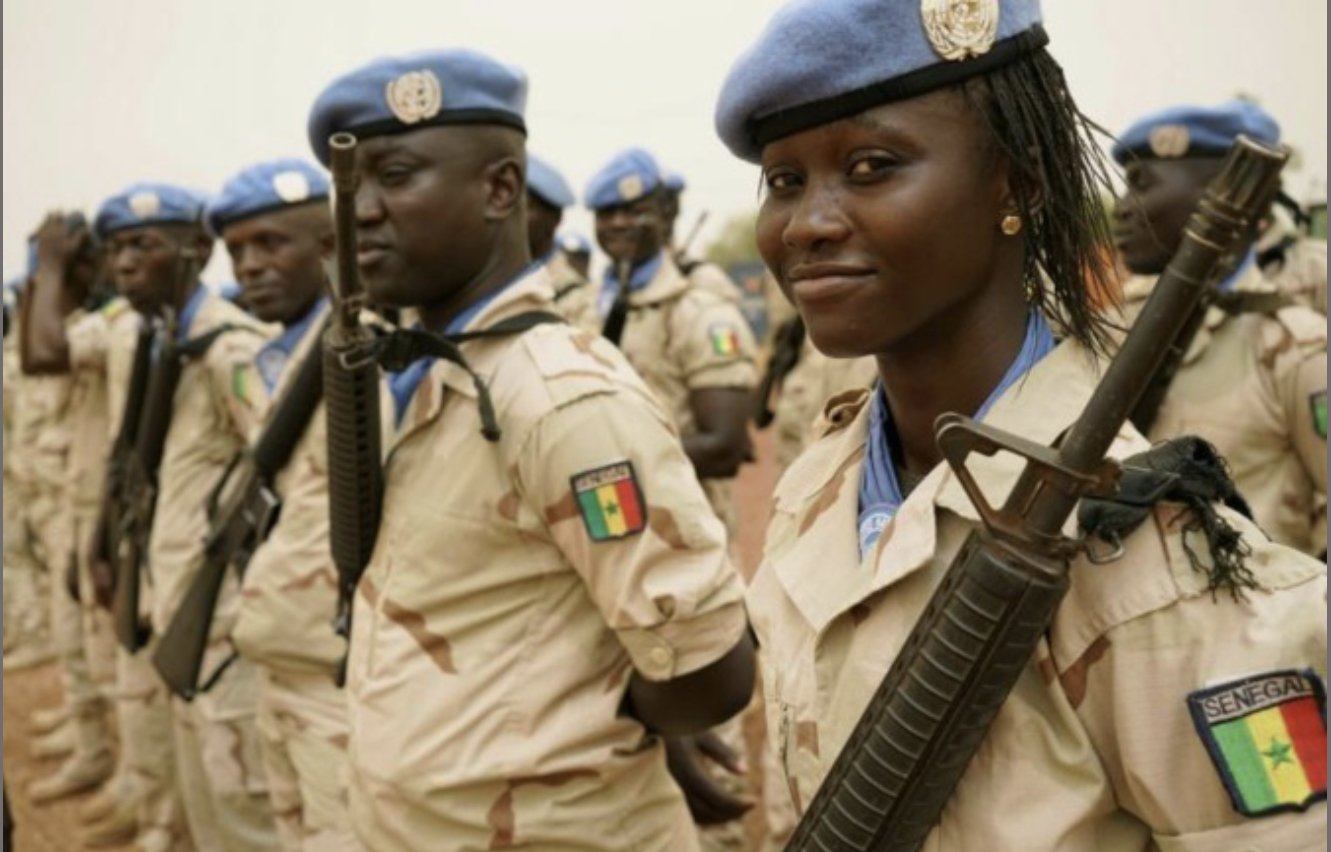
621	502
1206	711
88	337
237	386
713	344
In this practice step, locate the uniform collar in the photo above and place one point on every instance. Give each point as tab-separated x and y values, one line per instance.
530	292
825	509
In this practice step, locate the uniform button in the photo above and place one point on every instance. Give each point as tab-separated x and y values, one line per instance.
660	657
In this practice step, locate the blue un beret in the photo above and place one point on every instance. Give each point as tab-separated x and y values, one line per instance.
145	204
547	184
265	187
630	175
573	243
674	181
1194	131
823	60
397	94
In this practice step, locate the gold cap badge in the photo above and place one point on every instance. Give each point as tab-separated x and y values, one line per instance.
1169	141
291	186
960	29
630	187
145	204
414	96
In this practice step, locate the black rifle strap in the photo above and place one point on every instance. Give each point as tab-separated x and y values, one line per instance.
399	348
613	327
1235	302
786	351
138	389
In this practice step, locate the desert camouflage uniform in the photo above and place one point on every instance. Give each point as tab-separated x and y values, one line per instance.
26	614
815	380
284	626
103	344
1301	273
1252	385
497	625
216	411
1095	749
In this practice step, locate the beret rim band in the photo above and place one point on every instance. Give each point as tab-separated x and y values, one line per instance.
105	231
393	127
218	222
1137	153
792	120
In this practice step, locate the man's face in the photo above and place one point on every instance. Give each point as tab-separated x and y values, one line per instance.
277	258
633	231
422	229
1150	217
542	222
148	264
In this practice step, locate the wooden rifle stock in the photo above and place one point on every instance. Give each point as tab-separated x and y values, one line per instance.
888	786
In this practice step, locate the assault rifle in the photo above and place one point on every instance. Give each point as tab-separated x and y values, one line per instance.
887	787
140	482
351	382
243	510
113	490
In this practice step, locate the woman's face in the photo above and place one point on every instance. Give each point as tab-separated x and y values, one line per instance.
883	228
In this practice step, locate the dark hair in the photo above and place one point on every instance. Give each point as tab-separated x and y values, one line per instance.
1059	174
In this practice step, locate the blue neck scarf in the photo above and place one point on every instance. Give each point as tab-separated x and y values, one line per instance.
880	491
272	359
403	385
1242	269
640	277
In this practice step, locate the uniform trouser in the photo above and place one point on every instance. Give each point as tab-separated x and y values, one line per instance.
25	611
304	731
54	529
99	641
222	782
147	750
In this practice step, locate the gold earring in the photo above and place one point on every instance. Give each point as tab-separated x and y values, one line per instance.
1010	225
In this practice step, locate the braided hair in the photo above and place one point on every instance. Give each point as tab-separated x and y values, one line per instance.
1059	175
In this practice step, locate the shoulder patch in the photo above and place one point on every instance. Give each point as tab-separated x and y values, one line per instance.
240	382
1266	735
610	501
1317	405
724	337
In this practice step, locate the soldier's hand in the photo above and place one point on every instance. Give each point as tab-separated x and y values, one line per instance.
57	242
709	802
103	583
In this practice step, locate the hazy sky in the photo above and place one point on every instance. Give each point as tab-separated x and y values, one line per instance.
99	94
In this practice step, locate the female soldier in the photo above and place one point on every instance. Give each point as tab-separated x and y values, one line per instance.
914	199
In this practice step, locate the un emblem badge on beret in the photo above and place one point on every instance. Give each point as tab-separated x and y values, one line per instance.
145	204
630	187
291	186
414	96
960	29
1169	140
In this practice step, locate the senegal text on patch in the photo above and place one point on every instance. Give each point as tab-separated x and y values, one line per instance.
1251	696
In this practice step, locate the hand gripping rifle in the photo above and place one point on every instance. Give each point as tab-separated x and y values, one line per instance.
113	490
243	510
887	787
351	385
140	491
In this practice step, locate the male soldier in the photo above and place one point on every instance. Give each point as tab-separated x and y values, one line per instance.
547	196
577	250
543	595
273	219
215	410
96	351
700	273
1253	381
27	639
62	289
692	347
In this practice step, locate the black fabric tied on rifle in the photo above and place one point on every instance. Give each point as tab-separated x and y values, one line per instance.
1190	472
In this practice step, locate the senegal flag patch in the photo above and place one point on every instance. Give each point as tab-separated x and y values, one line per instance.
1317	402
610	501
725	339
1267	736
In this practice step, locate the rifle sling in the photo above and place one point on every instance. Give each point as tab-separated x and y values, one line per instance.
398	349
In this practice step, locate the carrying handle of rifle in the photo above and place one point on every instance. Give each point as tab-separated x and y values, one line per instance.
960	437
